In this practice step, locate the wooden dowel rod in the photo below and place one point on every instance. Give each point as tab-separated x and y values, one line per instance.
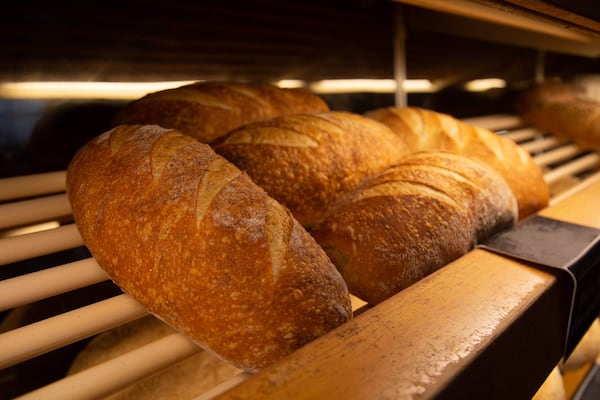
573	167
223	387
495	122
557	155
35	210
521	135
32	340
110	376
22	247
570	192
49	282
541	144
32	185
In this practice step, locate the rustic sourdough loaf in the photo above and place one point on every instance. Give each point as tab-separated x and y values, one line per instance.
208	110
409	220
307	161
180	381
200	245
561	109
423	129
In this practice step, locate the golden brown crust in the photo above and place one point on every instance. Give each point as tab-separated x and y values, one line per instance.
409	220
540	95
578	121
553	387
228	267
428	130
560	108
182	380
208	110
587	350
307	161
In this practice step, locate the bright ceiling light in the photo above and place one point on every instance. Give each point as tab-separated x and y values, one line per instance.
291	83
134	90
370	86
354	85
418	86
481	85
83	90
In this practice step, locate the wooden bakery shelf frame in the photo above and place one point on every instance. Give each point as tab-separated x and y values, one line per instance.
532	24
484	326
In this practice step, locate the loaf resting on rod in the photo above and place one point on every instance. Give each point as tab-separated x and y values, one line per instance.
411	219
422	129
201	246
307	161
320	164
563	109
212	239
183	380
209	110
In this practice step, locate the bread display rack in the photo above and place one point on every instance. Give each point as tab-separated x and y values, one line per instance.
480	322
483	327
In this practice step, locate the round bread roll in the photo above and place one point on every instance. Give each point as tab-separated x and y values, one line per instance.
182	380
422	129
208	110
411	219
553	387
307	161
586	351
195	241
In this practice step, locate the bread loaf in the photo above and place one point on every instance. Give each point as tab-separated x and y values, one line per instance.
411	219
423	129
553	387
540	95
180	381
586	351
307	161
558	108
208	110
194	240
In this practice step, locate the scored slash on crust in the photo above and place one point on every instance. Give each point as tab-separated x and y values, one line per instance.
164	149
279	231
219	172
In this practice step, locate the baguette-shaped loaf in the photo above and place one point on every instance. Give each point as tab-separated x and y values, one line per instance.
307	161
409	220
559	108
429	130
208	110
200	245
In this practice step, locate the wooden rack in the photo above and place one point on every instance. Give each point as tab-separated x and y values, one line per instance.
448	335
